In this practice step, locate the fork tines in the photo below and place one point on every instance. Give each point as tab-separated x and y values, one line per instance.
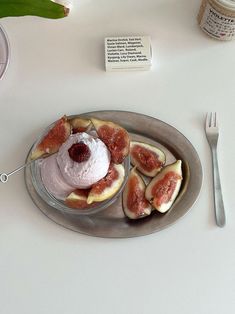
211	120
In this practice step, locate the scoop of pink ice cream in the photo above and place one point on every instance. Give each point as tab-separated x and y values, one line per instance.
82	175
53	179
61	175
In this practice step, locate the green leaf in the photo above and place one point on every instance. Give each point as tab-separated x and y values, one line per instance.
43	8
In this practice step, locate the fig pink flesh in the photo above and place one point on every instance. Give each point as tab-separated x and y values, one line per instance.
136	201
163	189
147	159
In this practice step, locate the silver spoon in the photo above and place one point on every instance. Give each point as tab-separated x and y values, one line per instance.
5	176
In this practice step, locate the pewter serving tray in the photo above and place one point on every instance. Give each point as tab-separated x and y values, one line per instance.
112	223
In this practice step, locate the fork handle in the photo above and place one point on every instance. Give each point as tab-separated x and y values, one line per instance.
218	198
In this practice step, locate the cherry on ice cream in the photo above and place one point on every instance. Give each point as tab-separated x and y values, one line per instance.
79	152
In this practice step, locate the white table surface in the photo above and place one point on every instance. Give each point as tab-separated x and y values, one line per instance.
57	67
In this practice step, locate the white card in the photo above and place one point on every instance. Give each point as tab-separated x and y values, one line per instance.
128	53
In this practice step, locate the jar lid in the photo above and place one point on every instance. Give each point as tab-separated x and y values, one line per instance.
228	4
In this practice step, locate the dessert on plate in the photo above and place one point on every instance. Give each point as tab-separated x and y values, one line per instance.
81	164
81	160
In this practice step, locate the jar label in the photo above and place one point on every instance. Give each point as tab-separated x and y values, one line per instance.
217	25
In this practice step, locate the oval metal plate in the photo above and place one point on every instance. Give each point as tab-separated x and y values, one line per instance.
111	222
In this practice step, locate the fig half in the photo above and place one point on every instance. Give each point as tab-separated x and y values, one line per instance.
148	159
80	125
135	204
77	199
115	138
164	188
52	141
108	186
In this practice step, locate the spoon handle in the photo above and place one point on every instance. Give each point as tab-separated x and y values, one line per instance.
20	168
4	176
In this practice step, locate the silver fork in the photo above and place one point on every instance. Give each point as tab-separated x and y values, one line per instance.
212	134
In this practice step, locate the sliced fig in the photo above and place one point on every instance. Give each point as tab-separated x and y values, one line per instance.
164	188
108	186
115	138
135	204
147	158
51	142
78	199
80	125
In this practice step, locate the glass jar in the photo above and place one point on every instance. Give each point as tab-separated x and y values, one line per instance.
217	18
